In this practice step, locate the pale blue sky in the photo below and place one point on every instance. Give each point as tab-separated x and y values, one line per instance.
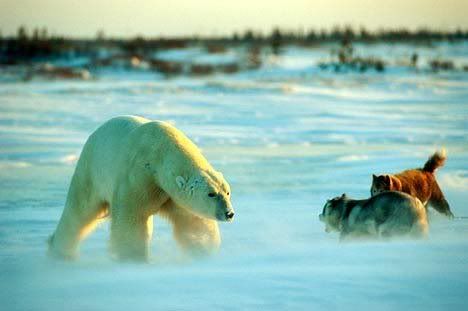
214	17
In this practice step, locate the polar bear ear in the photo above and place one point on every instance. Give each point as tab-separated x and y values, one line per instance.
180	181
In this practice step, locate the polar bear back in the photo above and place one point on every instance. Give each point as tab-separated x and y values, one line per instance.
103	153
115	144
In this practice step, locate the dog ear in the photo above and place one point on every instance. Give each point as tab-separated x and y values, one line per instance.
374	177
387	179
343	195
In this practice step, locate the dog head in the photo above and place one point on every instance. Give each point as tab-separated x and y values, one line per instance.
383	183
333	212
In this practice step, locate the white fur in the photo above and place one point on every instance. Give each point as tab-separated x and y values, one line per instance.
135	168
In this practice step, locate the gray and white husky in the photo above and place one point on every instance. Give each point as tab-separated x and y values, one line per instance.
385	215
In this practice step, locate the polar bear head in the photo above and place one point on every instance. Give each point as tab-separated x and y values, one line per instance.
206	193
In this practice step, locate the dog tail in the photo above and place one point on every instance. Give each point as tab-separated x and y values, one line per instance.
435	161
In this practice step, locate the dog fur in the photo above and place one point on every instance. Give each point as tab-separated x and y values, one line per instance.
420	183
384	215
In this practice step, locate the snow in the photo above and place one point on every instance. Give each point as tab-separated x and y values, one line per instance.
286	141
196	55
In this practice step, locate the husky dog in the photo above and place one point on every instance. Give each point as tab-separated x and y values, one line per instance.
384	215
420	183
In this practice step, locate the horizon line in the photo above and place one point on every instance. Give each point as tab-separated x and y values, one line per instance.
256	32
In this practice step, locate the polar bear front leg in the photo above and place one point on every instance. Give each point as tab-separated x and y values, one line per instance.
131	233
194	234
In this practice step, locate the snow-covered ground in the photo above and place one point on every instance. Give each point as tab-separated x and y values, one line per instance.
287	137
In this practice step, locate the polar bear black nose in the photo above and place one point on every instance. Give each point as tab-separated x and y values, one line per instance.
229	215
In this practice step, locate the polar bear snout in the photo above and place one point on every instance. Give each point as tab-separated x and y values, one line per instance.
229	215
226	216
225	213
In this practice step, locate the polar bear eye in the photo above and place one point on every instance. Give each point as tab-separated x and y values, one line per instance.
211	194
227	193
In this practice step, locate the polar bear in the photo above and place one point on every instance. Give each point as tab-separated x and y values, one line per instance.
132	168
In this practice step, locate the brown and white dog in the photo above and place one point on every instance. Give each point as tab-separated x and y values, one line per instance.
385	215
420	183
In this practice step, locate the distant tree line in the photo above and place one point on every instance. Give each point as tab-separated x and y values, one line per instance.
347	33
38	44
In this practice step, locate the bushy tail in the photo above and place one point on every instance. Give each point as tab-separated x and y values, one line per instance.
435	161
